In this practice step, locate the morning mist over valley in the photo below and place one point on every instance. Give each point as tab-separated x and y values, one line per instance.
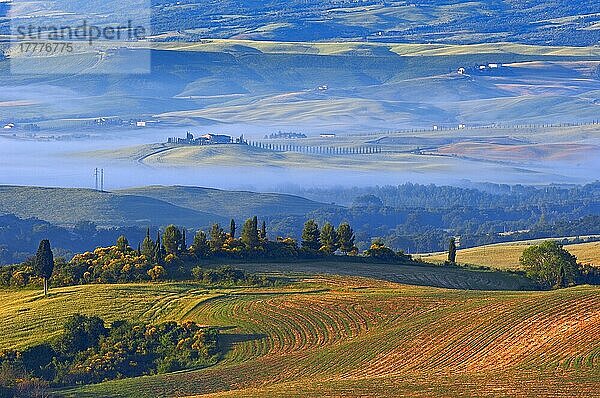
299	199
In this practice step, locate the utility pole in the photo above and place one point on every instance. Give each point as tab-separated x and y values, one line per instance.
96	175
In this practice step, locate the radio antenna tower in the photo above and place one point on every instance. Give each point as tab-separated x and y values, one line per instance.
102	180
96	175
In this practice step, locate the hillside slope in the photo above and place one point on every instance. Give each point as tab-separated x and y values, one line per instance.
506	255
348	336
69	206
214	85
233	204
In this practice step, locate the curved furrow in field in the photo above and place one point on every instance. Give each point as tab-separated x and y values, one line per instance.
492	336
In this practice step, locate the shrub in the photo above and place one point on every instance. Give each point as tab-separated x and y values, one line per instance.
157	272
88	352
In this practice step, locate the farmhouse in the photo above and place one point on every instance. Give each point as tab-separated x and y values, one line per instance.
212	139
327	135
206	139
9	126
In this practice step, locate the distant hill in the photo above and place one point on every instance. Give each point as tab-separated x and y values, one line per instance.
271	85
431	21
156	205
231	204
69	206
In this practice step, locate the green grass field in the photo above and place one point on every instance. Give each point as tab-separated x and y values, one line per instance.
345	336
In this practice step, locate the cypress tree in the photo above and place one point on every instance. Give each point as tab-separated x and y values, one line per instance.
232	228
44	263
263	231
148	246
158	250
452	251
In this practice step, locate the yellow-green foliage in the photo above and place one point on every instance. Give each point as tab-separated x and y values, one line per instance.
347	336
108	264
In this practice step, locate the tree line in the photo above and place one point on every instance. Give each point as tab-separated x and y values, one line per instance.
170	256
254	243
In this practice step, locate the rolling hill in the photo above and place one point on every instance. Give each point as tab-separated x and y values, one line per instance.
156	205
231	204
344	336
212	85
66	206
506	256
432	21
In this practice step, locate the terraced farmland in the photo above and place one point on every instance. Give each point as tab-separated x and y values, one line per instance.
348	336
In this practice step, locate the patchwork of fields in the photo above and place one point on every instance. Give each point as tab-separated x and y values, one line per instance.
347	336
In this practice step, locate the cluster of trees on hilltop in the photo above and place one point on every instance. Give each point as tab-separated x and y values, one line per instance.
170	256
89	352
119	264
253	243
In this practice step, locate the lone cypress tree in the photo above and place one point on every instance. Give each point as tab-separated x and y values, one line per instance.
452	251
232	228
44	263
